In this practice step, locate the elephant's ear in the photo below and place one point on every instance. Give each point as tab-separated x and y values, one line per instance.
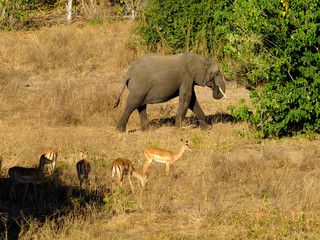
197	67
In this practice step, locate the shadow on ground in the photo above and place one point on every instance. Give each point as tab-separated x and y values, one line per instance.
193	120
54	200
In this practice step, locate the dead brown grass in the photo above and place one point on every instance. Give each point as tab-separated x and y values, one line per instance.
231	186
73	72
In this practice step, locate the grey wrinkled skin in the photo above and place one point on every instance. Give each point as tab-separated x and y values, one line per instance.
155	78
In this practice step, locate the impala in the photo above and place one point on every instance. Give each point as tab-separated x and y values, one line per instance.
26	176
51	155
83	169
122	166
163	156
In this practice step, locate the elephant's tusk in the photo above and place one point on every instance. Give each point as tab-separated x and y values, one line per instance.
222	92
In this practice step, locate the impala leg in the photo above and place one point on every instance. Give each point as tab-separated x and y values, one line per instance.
86	178
146	165
80	179
112	179
167	168
53	166
129	178
120	180
35	190
25	191
120	176
13	191
50	169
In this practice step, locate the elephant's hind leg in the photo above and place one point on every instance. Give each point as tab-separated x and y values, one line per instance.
122	123
143	116
133	102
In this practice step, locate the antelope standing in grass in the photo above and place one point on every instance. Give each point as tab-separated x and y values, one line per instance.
26	176
83	169
122	166
163	156
51	154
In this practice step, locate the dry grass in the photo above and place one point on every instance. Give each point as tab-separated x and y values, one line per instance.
72	72
230	186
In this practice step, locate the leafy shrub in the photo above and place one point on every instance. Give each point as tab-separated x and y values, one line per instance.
180	25
289	102
119	202
12	13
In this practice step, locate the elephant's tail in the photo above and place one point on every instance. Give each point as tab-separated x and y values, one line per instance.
118	100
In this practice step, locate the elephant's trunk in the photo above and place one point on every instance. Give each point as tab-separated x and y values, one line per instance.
219	89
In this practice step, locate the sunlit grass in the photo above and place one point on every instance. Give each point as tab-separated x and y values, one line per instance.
231	186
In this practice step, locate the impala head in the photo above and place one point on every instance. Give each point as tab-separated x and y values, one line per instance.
83	156
185	145
43	161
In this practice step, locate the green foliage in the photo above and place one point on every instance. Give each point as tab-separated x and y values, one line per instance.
289	45
283	109
79	202
180	24
100	161
13	12
94	21
119	202
197	140
243	133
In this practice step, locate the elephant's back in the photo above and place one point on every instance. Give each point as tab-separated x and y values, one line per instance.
151	59
152	63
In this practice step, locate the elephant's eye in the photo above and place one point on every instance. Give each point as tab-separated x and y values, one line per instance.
210	84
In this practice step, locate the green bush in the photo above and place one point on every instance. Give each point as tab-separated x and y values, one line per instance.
180	25
289	103
119	202
13	12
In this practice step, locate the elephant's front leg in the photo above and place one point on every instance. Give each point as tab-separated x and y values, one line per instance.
185	94
143	116
196	109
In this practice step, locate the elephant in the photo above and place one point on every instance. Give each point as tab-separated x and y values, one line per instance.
155	78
